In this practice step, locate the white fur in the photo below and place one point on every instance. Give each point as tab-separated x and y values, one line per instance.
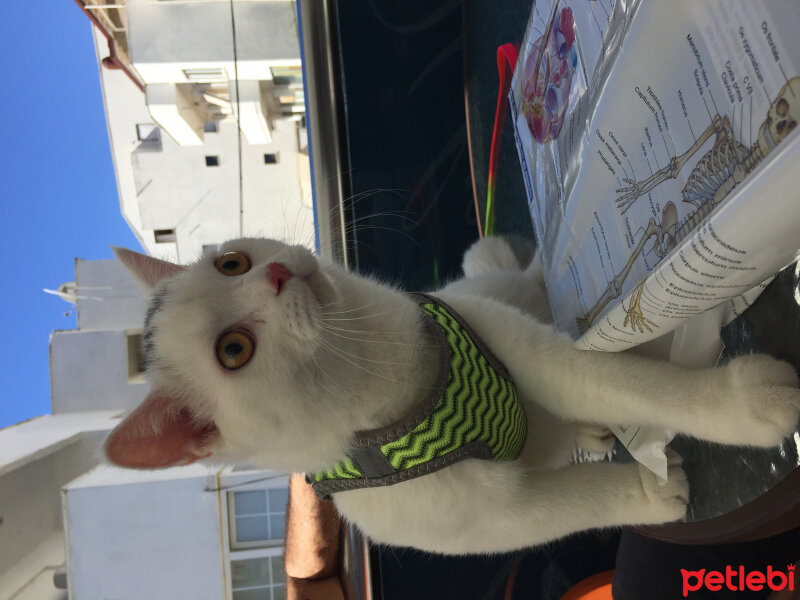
336	353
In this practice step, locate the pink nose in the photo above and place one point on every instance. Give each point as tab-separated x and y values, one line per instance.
278	276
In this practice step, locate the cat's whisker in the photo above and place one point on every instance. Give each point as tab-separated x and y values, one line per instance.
344	356
393	380
356	309
353	229
370	360
348	311
362	317
339	353
338	390
354	199
344	300
332	329
345	337
389	213
349	330
297	221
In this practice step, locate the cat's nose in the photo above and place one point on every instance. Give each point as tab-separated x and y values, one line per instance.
278	275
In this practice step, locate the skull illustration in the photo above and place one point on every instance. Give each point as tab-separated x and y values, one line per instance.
782	116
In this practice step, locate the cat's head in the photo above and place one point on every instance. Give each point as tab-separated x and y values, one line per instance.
229	343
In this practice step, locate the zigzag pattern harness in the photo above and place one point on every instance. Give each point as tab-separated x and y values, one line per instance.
472	411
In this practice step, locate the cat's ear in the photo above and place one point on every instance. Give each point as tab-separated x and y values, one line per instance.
147	270
160	433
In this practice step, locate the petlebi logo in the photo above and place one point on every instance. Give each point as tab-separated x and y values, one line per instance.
738	580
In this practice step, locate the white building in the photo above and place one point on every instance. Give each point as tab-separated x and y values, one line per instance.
99	366
37	458
204	103
177	533
102	532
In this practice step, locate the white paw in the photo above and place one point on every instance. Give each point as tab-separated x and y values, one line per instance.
487	255
665	502
764	406
594	438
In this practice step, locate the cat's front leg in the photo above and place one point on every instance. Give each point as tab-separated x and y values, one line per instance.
754	400
483	507
596	495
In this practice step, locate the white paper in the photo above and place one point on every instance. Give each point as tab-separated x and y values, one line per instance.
661	166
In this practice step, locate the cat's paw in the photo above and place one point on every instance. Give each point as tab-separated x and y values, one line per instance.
488	255
665	502
594	438
764	400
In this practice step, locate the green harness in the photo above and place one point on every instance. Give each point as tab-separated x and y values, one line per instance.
472	411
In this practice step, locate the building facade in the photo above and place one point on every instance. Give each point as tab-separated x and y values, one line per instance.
204	103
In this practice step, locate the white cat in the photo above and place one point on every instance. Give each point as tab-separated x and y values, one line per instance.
263	353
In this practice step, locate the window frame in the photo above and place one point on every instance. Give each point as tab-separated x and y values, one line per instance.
234	543
256	554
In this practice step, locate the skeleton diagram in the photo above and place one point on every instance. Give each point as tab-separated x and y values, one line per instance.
720	170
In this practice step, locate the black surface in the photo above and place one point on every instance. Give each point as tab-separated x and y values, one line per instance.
723	478
488	25
544	574
651	569
406	137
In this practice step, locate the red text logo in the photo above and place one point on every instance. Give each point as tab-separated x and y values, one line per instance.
738	580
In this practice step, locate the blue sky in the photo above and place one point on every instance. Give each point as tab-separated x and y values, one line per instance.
59	195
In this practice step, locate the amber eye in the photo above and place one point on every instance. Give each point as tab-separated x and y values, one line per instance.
235	348
232	263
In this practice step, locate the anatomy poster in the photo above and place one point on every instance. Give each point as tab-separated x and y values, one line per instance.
659	151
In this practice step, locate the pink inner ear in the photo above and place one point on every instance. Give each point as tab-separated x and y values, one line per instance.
147	270
160	433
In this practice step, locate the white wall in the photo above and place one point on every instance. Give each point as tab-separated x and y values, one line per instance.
31	578
125	107
202	203
30	500
168	186
134	535
89	371
109	297
31	440
164	38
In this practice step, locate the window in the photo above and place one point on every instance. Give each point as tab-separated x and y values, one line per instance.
287	75
257	518
148	132
164	236
205	75
271	159
212	161
135	357
259	578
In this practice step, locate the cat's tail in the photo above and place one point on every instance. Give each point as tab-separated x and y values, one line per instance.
495	253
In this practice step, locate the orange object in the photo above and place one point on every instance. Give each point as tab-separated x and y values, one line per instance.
596	587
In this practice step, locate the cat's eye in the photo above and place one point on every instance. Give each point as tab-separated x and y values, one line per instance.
232	263
235	348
